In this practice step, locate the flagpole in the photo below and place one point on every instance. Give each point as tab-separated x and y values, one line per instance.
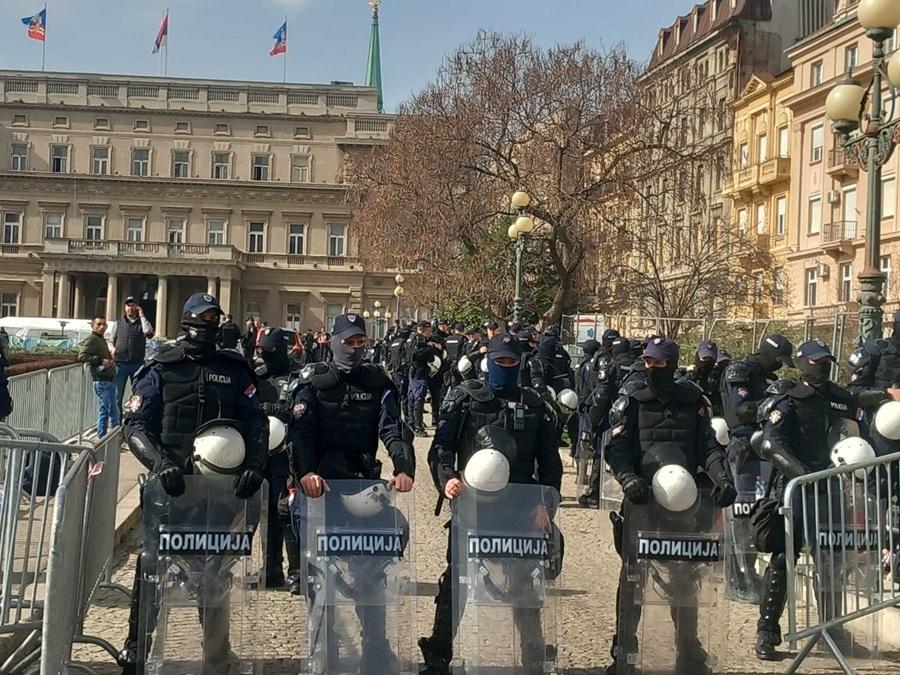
166	49
285	49
44	42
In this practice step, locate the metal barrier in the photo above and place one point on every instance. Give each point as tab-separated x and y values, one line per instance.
838	524
29	395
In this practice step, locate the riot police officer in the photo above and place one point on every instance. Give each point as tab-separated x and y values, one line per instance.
649	413
397	365
707	373
454	348
183	390
421	350
552	368
877	363
470	407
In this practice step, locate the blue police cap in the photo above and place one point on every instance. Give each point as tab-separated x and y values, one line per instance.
662	348
707	350
199	303
814	350
273	337
347	325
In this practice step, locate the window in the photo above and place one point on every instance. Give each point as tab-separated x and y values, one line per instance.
762	148
332	312
742	221
175	230
262	130
53	226
886	271
337	236
134	229
221	165
222	129
293	316
61	122
817	137
140	161
215	231
9	305
19	157
59	158
846	281
784	142
743	156
761	218
182	127
302	132
888	196
260	167
299	169
297	238
781	216
256	237
12	228
93	227
812	281
142	125
101	123
851	57
814	226
100	161
816	74
20	120
181	162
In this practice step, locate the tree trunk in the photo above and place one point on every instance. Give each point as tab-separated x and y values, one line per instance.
553	315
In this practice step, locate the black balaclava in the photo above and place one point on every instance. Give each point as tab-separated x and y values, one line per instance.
590	347
548	344
199	335
346	358
277	361
662	380
703	367
815	374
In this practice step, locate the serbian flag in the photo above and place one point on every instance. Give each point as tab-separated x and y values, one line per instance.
280	38
37	25
162	35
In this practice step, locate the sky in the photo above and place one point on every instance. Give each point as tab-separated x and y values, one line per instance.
327	39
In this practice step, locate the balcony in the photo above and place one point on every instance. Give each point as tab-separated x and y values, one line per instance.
109	248
774	170
18	250
837	237
840	166
294	261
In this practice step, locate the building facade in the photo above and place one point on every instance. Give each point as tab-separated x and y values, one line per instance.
828	194
157	187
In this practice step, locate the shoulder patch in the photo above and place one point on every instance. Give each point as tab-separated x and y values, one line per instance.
134	403
775	416
310	370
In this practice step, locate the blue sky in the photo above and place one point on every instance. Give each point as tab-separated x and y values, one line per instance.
328	39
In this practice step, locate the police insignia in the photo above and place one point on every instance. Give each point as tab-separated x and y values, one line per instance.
299	409
351	318
134	403
617	431
250	390
743	392
775	416
860	414
207	298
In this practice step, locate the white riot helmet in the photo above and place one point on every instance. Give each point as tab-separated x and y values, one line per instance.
434	365
887	420
568	400
464	365
674	488
720	426
850	451
219	449
277	433
487	470
484	366
367	502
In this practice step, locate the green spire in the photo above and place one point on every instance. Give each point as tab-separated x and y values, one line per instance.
373	69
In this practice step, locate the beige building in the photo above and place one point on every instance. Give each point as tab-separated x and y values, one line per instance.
828	194
156	188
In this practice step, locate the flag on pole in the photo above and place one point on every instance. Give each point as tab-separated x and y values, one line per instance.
280	38
162	35
37	25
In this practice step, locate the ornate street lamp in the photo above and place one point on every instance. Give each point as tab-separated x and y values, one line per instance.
518	231
872	147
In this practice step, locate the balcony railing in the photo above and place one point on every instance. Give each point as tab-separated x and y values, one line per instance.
842	230
776	168
18	249
140	249
839	163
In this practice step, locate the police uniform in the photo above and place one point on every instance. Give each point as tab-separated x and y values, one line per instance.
876	364
454	348
469	408
397	364
655	412
184	389
419	355
552	368
707	374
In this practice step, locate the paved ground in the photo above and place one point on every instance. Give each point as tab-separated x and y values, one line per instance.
586	597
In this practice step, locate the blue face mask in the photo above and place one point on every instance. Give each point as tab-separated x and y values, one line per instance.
503	380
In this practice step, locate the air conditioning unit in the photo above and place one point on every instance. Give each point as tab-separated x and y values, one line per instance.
823	270
834	197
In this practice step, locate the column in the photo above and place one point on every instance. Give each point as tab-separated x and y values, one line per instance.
112	296
78	311
62	298
47	293
211	286
225	295
162	309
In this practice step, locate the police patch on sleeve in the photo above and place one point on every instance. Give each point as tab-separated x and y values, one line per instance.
617	431
775	416
134	403
299	409
743	392
250	390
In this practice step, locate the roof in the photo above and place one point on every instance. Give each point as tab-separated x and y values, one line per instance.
691	29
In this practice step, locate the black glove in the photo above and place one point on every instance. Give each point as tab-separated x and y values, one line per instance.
247	484
281	410
172	479
635	488
724	495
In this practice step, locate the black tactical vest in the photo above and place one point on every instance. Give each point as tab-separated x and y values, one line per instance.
130	345
809	437
673	421
888	372
396	353
453	345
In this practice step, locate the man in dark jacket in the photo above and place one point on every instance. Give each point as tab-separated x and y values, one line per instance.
129	337
229	333
94	351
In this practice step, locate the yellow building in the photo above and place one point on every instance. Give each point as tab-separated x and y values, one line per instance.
759	184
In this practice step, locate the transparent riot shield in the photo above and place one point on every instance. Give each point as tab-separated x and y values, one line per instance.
673	617
742	559
611	495
201	565
584	459
359	568
506	554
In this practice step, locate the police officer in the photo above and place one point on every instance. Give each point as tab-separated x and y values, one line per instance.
796	419
339	412
277	375
454	348
658	411
552	368
470	407
421	350
183	390
877	363
474	351
706	373
443	330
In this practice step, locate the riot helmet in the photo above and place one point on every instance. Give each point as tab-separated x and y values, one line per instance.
367	502
850	451
720	426
219	448
674	488
487	471
277	433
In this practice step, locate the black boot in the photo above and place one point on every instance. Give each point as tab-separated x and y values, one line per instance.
768	631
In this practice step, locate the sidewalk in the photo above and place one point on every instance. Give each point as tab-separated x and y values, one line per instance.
128	511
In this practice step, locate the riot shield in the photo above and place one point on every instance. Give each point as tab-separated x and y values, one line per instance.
611	495
506	554
201	566
673	617
742	568
358	566
584	459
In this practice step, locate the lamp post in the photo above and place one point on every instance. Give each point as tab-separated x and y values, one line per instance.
518	231
398	291
872	147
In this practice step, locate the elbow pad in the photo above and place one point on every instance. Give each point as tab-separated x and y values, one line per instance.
783	461
147	451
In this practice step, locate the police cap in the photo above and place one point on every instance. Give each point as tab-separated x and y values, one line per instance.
347	325
423	324
814	350
504	346
663	349
780	347
707	351
272	338
199	303
459	325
